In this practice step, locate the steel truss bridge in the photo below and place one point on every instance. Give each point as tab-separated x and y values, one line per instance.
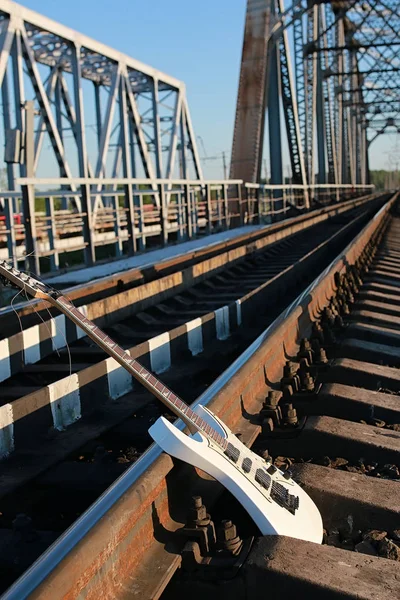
328	70
107	143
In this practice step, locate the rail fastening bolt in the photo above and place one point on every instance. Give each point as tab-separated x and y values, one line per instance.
345	308
229	537
321	357
197	501
339	324
290	415
317	332
272	399
289	369
197	515
308	383
305	351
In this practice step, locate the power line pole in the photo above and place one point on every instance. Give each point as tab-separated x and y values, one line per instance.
224	165
265	170
218	157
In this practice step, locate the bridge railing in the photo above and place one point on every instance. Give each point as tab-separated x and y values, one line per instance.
136	214
268	203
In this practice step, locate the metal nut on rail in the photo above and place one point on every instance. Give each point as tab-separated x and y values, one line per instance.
317	333
289	370
336	304
290	415
305	351
354	279
228	538
327	317
197	515
339	324
273	398
290	376
341	302
271	411
199	526
308	383
338	279
320	355
306	379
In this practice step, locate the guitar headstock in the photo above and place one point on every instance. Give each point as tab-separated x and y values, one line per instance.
14	277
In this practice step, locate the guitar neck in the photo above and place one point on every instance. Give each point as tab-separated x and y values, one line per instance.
147	379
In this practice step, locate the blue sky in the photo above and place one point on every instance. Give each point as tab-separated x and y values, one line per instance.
197	42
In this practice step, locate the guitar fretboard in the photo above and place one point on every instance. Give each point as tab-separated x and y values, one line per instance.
141	374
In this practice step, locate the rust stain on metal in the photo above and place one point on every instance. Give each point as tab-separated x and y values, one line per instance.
250	105
104	541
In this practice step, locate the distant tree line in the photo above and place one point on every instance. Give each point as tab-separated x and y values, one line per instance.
385	179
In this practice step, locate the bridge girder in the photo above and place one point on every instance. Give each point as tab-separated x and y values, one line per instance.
346	60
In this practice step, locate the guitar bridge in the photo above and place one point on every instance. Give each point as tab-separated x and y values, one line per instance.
282	497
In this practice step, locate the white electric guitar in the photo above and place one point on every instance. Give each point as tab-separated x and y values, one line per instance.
277	504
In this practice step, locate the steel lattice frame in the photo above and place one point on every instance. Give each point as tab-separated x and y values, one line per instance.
140	116
347	82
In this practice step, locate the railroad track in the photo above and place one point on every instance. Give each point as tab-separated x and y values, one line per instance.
156	502
168	296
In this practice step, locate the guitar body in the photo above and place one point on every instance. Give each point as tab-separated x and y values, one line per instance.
270	517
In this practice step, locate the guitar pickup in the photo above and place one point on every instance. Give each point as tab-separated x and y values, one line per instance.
263	478
246	465
232	453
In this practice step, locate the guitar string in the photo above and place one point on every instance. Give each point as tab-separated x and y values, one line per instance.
17	258
35	276
58	331
245	453
18	317
45	323
47	327
51	317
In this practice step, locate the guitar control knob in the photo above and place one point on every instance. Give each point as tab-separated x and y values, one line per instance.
272	469
287	474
